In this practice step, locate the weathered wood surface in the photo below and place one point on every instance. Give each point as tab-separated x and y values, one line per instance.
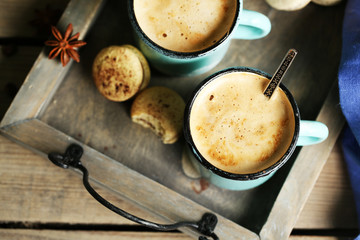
252	59
304	172
88	235
35	191
35	95
19	18
108	235
333	176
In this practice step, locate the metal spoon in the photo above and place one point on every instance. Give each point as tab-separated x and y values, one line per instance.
280	72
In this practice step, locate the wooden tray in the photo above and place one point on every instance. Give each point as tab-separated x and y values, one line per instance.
57	106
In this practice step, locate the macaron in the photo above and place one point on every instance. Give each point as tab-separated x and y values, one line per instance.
144	64
118	72
161	109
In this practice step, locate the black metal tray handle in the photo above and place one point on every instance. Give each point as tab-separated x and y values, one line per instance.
71	158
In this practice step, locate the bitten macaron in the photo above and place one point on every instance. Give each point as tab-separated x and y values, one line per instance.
161	109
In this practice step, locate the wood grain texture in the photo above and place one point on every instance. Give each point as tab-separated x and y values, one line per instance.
13	71
62	127
108	235
53	195
16	16
121	180
35	190
87	235
34	95
318	238
302	178
326	208
31	182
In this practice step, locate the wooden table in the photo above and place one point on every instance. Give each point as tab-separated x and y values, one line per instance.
41	201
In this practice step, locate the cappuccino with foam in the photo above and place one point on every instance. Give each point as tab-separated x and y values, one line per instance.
236	128
185	25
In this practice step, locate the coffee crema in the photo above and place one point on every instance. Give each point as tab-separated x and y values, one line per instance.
185	25
237	128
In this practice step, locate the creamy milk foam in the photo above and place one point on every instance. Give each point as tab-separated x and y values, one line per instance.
236	128
185	25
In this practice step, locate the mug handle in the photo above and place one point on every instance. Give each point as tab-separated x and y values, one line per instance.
252	25
312	132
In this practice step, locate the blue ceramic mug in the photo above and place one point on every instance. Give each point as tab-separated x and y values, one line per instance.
305	133
246	25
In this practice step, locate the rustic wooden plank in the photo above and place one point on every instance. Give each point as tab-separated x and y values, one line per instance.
16	16
318	238
318	212
13	71
50	194
326	207
23	132
17	234
45	76
11	234
35	190
302	178
111	135
122	180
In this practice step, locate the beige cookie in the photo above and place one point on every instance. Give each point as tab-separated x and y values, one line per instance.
118	73
288	5
144	64
326	2
160	109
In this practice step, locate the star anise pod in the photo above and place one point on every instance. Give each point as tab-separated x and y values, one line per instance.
65	45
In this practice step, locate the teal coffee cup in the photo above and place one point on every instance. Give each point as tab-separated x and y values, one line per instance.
236	137
188	38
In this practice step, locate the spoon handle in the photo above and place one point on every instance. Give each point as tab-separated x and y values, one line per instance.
280	72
